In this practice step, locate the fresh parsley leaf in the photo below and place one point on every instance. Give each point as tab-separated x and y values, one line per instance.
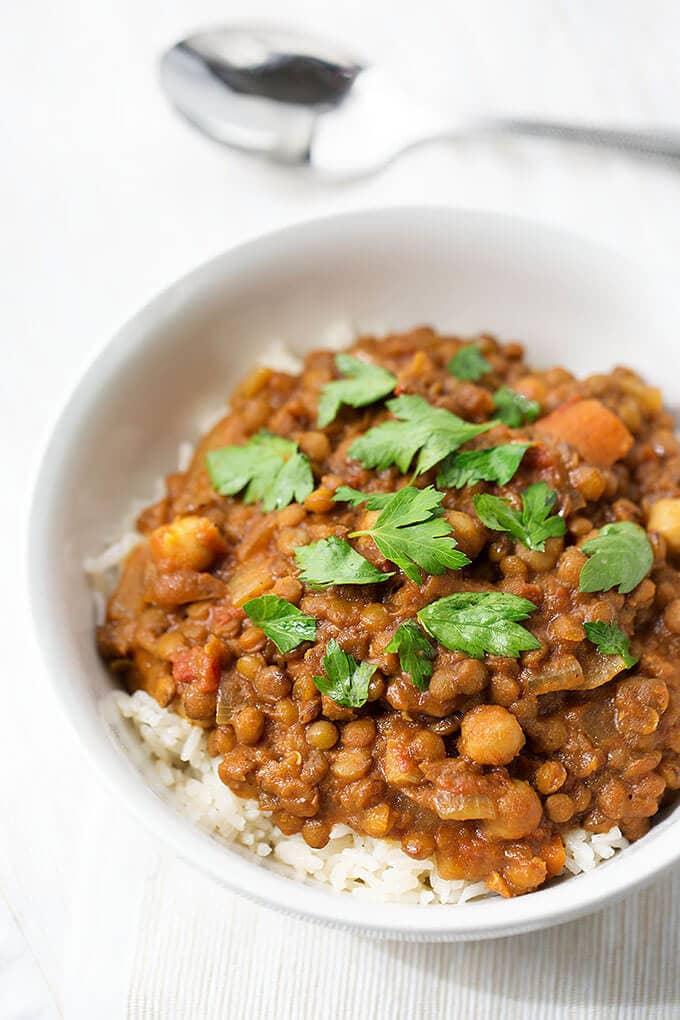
469	363
610	640
346	680
270	469
412	533
476	622
285	624
433	431
532	525
334	561
415	653
373	500
620	555
514	409
365	383
493	464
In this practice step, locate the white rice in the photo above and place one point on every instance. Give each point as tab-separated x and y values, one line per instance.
174	754
176	757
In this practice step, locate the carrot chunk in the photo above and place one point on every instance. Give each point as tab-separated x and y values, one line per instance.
595	432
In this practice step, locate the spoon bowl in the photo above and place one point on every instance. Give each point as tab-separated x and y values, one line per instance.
257	89
292	98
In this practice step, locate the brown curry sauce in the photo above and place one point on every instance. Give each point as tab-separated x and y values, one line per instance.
596	745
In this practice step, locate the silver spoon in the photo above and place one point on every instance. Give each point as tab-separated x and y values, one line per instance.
296	99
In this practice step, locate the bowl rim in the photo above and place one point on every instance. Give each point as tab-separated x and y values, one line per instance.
489	918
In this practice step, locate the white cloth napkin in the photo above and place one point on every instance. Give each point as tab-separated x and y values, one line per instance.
151	938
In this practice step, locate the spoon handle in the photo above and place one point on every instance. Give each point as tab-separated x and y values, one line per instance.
653	143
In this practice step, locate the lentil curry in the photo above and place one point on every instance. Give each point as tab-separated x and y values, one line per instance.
472	666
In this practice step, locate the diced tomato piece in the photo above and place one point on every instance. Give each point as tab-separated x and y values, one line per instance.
225	620
200	666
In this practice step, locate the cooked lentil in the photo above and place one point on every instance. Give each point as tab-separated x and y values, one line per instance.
487	768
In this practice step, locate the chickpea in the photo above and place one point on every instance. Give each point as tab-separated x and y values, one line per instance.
490	735
249	725
427	746
519	813
189	543
322	734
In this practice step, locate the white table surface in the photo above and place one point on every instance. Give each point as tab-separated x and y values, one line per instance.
104	198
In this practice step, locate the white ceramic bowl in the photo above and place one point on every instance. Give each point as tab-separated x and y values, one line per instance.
572	304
